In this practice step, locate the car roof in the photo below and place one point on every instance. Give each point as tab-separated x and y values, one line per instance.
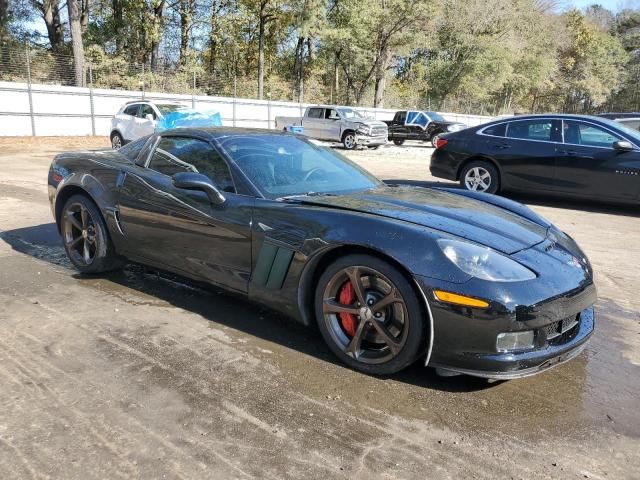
560	116
219	132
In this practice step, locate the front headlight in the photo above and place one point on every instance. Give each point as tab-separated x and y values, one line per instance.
483	262
364	129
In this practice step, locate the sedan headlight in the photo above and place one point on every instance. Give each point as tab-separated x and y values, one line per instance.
364	130
483	262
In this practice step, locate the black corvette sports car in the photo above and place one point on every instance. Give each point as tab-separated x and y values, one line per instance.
470	282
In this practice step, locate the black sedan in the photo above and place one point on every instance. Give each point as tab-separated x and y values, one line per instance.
572	155
469	282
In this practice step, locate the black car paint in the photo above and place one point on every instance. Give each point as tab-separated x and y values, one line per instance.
549	167
234	244
399	131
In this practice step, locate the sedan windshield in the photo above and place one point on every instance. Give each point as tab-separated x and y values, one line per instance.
350	113
287	165
169	107
634	135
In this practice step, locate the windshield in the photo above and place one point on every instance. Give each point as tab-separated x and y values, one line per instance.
286	165
169	107
634	135
350	113
436	117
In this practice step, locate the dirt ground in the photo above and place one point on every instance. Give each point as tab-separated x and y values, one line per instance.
134	375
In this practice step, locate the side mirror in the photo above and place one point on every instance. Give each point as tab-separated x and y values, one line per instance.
197	181
149	117
622	146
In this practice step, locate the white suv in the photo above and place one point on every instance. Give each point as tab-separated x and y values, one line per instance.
138	119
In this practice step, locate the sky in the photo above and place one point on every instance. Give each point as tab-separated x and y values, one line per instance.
614	5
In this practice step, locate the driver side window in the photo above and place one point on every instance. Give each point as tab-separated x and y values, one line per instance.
182	154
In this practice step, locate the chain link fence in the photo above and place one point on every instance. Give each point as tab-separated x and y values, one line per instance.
51	93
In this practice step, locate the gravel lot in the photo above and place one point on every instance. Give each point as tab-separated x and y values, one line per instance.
137	376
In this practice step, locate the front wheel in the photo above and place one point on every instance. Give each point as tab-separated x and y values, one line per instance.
398	142
369	315
480	176
85	236
349	140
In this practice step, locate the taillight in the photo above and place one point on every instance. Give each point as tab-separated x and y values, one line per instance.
441	142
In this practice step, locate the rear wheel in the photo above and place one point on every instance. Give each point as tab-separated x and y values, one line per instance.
85	236
349	140
116	140
480	176
398	142
369	315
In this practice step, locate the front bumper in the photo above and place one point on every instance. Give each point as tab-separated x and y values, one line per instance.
370	141
464	338
508	366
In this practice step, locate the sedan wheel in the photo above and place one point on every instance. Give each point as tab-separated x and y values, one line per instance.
480	176
369	315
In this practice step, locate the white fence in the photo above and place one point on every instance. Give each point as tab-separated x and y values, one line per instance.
51	110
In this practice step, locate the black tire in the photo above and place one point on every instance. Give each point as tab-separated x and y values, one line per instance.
373	358
92	235
398	142
482	167
116	140
349	140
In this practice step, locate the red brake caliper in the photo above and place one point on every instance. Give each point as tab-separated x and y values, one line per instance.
347	296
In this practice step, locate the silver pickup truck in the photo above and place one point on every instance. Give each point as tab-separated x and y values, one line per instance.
338	124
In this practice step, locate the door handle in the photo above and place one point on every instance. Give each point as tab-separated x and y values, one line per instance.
571	153
502	146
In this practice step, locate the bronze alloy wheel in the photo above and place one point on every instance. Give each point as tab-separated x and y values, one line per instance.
365	314
80	234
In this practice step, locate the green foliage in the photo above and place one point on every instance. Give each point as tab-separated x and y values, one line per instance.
480	56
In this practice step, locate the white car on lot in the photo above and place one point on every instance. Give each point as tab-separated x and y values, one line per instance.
137	119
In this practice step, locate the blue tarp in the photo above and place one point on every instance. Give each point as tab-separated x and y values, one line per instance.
189	118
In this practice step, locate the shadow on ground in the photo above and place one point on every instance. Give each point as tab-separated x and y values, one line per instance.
43	242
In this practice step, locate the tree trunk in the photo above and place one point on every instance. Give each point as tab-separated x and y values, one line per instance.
118	23
4	32
84	14
158	12
186	20
298	71
380	78
51	15
262	22
76	41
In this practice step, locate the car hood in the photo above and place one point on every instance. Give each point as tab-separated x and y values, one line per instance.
369	122
469	218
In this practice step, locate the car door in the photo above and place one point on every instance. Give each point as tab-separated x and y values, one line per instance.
144	126
588	164
415	125
127	124
312	122
181	230
331	124
526	153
